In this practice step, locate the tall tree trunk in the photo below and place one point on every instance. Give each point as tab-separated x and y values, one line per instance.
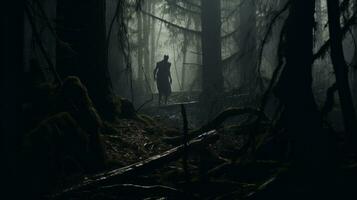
184	53
247	44
353	72
146	38
152	46
11	85
116	60
140	47
319	75
84	27
301	117
197	78
212	75
68	30
341	69
94	58
319	23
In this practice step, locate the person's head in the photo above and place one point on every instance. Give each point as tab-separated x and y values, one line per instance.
166	57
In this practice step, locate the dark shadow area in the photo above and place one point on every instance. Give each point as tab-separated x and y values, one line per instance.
178	99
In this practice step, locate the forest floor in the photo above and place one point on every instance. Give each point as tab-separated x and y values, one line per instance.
218	169
236	155
128	142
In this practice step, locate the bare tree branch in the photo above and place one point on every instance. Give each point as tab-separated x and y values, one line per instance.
325	47
173	3
195	32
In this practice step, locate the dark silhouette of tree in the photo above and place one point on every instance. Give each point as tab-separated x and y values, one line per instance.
12	88
247	45
301	117
82	25
341	68
212	77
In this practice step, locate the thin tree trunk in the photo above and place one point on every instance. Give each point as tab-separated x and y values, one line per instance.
116	60
320	75
319	23
197	81
153	45
146	38
353	72
184	53
247	44
140	47
341	68
212	74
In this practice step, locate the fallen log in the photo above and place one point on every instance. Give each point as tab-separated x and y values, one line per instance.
118	175
217	122
229	113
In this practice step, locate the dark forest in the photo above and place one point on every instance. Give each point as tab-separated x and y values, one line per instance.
178	99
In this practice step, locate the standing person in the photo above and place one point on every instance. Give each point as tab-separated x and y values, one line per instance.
162	75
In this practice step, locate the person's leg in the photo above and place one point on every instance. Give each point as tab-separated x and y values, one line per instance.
166	96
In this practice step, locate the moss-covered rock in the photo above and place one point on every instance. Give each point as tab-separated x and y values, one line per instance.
64	133
74	94
55	140
61	137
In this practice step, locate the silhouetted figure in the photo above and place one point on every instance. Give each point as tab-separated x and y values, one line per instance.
162	75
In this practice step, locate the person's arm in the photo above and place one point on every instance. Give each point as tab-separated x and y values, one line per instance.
155	71
170	74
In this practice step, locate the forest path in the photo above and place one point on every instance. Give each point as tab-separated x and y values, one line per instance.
170	113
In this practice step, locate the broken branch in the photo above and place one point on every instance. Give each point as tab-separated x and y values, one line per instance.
117	175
